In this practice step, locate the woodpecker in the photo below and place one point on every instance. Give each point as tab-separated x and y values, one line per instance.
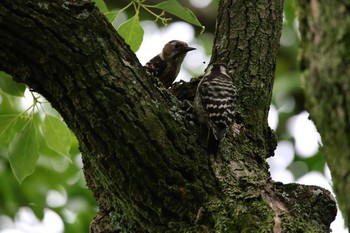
214	104
166	65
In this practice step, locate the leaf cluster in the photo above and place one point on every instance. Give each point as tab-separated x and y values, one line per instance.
33	137
131	30
22	132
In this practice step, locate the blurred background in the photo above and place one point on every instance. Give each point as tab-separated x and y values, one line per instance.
54	199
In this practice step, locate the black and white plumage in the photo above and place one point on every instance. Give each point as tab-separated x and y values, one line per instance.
214	104
166	65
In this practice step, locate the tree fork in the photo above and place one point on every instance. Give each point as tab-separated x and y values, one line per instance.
143	157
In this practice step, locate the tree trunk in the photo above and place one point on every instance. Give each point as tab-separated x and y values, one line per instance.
144	157
325	31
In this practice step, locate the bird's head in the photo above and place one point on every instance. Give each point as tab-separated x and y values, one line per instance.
216	67
175	49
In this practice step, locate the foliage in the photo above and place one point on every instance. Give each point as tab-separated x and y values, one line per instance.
22	132
131	29
35	138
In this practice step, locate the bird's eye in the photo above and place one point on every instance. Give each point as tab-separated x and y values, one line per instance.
176	46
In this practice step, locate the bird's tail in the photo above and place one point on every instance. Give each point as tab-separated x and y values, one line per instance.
215	136
213	145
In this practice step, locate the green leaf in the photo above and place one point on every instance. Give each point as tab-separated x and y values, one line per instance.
111	15
101	5
11	87
23	151
174	8
132	32
10	124
57	135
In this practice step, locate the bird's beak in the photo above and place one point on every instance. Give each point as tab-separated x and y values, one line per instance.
189	49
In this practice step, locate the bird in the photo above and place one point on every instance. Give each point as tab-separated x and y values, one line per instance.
166	65
214	104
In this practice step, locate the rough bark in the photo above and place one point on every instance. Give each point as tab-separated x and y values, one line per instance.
144	157
325	61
